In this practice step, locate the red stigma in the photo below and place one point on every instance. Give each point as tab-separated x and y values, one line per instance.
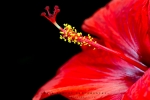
49	16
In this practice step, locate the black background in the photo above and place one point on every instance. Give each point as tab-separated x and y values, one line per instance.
35	46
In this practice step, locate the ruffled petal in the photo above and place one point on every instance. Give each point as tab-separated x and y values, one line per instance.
139	90
124	26
91	74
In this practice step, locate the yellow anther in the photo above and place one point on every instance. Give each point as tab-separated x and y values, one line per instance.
89	45
69	27
61	37
65	24
75	30
76	37
95	42
61	32
94	48
78	43
69	41
69	38
89	36
78	34
72	34
75	41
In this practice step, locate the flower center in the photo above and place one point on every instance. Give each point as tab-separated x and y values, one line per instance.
70	34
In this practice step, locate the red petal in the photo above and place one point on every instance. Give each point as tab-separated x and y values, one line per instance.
124	24
140	90
91	74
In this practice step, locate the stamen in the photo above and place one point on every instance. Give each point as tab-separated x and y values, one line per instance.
70	34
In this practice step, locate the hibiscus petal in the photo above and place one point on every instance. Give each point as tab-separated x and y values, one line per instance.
91	74
124	24
139	90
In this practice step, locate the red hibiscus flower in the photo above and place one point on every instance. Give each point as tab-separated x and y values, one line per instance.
118	67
